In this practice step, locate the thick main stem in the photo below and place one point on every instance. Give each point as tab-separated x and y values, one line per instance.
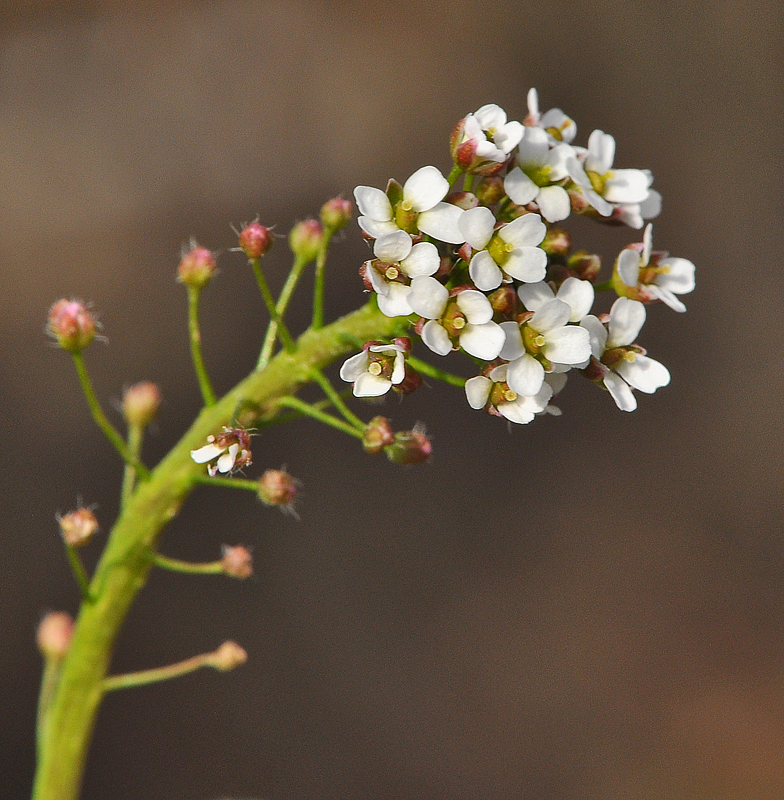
127	558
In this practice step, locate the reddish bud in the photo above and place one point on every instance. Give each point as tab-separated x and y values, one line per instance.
586	265
556	242
504	301
54	634
237	562
78	527
140	403
412	380
305	239
197	267
336	213
377	435
410	447
464	200
72	324
278	488
255	239
490	191
228	656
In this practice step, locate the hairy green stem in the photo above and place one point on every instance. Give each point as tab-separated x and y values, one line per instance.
208	395
126	560
135	436
229	483
318	286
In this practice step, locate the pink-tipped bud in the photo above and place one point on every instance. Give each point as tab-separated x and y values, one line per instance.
586	265
255	239
237	562
377	435
336	213
490	190
54	634
71	324
278	488
504	301
197	267
78	527
140	403
305	239
556	242
228	656
464	200
410	447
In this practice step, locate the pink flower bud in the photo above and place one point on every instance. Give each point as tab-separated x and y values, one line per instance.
54	634
336	213
278	488
140	403
228	656
255	239
237	562
72	324
412	380
305	239
78	527
490	190
556	242
410	447
586	265
377	435
197	267
464	200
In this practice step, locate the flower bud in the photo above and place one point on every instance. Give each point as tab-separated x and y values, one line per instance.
556	242
278	488
504	301
336	213
412	380
78	527
237	562
140	403
464	200
586	265
305	239
72	324
490	190
54	634
228	656
197	267
410	447
255	239
377	435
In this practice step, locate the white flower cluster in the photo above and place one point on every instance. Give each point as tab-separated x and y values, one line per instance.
483	269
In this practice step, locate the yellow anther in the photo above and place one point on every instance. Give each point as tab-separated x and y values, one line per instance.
510	395
391	272
374	368
630	356
407	205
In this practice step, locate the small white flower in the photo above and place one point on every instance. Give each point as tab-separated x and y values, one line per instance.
374	376
506	402
558	126
486	136
230	450
579	295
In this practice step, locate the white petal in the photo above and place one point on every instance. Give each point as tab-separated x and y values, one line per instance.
601	152
513	344
629	266
627	186
533	102
644	373
476	225
475	306
620	392
394	302
520	188
534	147
525	231
525	375
368	385
651	206
535	295
423	260
399	370
376	229
568	345
392	247
436	338
579	295
553	314
483	341
526	264
626	319
427	297
647	245
516	412
667	297
554	203
442	223
491	116
509	136
484	272
426	187
597	333
373	203
353	367
226	461
477	391
206	453
680	278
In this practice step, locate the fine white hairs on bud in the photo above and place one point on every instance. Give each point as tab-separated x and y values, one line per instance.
78	527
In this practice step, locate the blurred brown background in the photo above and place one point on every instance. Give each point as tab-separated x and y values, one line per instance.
586	608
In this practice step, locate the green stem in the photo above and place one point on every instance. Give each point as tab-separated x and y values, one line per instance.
208	395
336	400
454	175
603	287
468	185
318	286
48	685
135	435
146	676
327	419
101	420
228	483
433	372
280	308
188	567
79	573
269	301
126	562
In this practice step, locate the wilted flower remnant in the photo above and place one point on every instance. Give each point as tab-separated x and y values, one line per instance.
229	451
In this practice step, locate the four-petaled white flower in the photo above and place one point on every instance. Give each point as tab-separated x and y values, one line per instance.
374	376
558	126
421	204
485	138
578	294
625	367
654	276
495	394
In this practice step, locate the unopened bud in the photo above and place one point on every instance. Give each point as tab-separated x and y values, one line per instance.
410	447
278	488
586	265
54	634
412	380
336	213
464	200
228	656
556	242
305	239
504	301
255	239
377	435
237	562
72	324
490	190
78	527
196	268
140	403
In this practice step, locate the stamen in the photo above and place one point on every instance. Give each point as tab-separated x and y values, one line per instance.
374	368
391	272
510	395
540	341
458	323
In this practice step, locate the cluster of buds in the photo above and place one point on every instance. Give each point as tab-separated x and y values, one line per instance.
403	447
484	270
226	452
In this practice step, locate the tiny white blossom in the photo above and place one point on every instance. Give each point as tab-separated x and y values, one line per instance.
230	450
512	406
559	127
373	377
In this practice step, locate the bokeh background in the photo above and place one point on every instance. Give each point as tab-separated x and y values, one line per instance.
586	608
